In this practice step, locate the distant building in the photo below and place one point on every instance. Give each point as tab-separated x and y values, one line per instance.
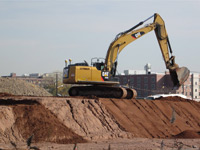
34	78
159	83
147	84
147	70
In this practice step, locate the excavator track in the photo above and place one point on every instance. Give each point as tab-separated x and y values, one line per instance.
131	93
103	91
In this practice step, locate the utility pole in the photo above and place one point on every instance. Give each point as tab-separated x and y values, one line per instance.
56	84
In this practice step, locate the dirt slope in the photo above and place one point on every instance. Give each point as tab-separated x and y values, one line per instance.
72	120
151	119
86	117
21	119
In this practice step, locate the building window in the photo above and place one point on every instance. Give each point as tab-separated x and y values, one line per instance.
146	86
153	79
138	80
138	86
145	93
195	90
145	79
124	80
185	93
195	83
131	80
139	93
153	86
199	93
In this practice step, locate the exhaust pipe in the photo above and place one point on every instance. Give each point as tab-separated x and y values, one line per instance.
179	76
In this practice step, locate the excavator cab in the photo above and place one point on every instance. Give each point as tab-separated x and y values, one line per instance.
98	63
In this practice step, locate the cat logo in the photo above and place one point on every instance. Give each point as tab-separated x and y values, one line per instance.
105	75
137	35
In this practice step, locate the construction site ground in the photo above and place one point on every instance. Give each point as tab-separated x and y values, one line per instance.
98	123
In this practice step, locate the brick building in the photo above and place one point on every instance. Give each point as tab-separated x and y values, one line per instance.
160	83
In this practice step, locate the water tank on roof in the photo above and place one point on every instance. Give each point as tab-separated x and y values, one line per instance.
147	68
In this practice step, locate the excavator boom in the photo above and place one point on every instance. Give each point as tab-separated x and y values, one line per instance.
178	75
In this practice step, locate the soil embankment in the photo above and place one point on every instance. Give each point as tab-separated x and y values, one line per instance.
153	119
77	120
23	118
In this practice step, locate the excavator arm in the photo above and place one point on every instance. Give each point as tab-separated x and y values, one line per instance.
178	75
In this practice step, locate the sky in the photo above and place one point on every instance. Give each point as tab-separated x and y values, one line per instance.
37	36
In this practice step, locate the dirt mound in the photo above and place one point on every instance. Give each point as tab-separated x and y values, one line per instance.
17	86
188	134
86	117
75	120
173	98
152	118
31	118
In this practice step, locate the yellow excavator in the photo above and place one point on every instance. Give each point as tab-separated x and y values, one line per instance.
99	79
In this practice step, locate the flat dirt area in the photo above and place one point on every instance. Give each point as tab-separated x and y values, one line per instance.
98	123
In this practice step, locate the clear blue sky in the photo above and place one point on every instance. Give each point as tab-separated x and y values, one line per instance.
37	36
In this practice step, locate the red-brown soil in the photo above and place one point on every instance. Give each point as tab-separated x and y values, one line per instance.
188	134
32	118
151	119
82	119
173	98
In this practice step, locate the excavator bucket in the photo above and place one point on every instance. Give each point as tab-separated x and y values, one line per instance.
179	76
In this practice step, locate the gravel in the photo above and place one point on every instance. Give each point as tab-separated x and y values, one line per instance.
17	86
